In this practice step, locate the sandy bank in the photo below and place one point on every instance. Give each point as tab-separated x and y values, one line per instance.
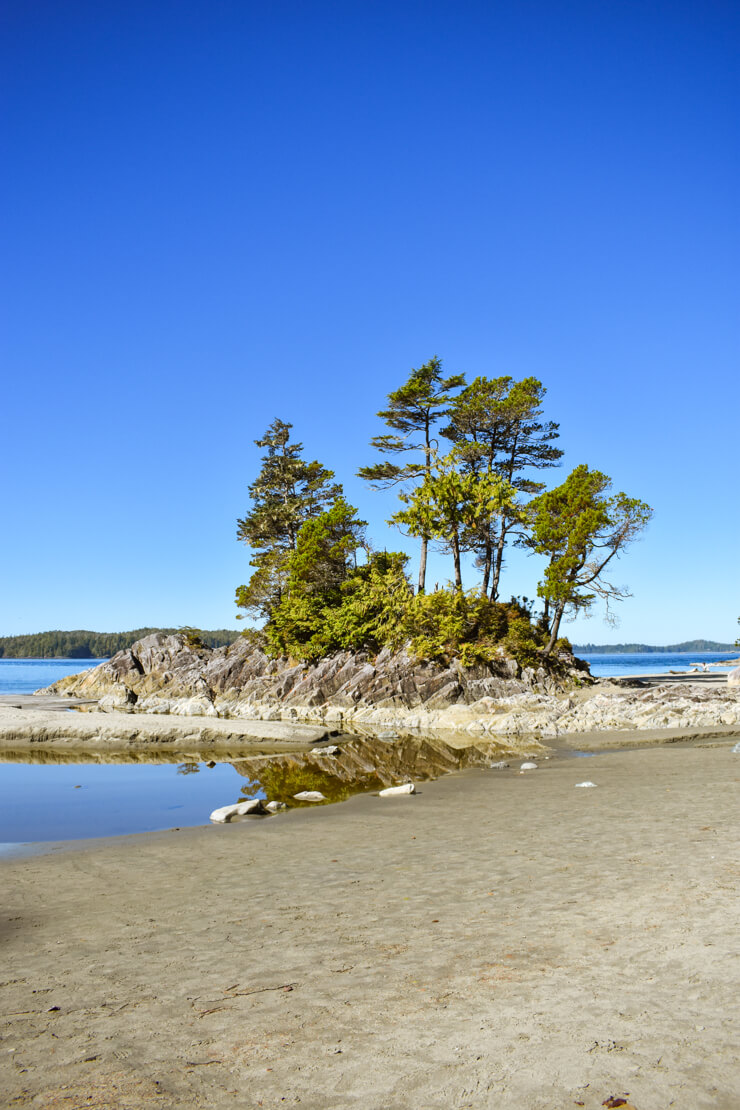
498	941
43	727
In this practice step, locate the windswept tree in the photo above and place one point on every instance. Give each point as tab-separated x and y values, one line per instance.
454	506
286	493
412	413
496	426
581	528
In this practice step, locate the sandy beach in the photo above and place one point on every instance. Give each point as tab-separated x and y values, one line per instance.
500	940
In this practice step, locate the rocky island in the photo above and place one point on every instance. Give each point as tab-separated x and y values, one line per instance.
166	675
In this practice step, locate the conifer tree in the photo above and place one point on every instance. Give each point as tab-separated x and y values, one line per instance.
286	493
412	413
496	427
581	528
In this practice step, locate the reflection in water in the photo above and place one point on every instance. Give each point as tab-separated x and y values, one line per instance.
52	794
188	769
362	764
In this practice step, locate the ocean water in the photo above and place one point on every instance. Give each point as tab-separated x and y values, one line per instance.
655	662
24	676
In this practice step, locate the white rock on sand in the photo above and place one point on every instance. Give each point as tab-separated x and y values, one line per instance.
309	796
241	809
528	766
391	791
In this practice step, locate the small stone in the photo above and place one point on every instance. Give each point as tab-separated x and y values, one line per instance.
502	765
585	784
309	796
327	749
735	749
528	767
275	807
390	791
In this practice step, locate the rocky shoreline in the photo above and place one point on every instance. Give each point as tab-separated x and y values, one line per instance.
165	675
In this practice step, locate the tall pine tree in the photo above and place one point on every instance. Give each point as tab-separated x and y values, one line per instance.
286	493
412	413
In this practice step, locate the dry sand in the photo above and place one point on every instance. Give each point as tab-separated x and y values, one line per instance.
500	940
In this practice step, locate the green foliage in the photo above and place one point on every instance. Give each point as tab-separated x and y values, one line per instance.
413	410
287	492
451	506
582	528
496	428
450	624
317	596
303	624
193	638
81	644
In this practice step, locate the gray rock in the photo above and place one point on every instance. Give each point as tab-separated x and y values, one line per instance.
275	807
733	678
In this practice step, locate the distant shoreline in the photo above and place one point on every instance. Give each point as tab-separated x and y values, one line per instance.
699	646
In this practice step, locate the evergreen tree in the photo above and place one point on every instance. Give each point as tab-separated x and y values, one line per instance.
413	410
495	424
581	528
287	492
454	506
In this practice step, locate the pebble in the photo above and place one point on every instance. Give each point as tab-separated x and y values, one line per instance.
528	767
309	796
585	784
407	788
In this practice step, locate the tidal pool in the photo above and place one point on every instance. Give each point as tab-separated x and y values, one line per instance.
68	801
54	794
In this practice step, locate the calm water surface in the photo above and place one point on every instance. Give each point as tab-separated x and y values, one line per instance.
43	801
657	662
25	676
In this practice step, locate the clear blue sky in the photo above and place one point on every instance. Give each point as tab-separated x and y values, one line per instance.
216	213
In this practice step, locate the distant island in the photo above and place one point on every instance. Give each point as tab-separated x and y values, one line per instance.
647	649
81	644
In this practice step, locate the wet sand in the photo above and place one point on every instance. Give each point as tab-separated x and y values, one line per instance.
500	940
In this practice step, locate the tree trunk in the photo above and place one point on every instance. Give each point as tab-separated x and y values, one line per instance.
423	565
456	557
559	610
425	539
546	614
487	569
499	562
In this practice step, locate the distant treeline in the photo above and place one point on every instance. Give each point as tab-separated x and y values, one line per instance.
81	644
636	649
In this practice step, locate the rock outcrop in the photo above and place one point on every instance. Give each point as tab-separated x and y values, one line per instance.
164	675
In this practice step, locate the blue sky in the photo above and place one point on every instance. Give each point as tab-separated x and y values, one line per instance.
220	213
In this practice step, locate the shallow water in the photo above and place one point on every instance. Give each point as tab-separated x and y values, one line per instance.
68	801
68	794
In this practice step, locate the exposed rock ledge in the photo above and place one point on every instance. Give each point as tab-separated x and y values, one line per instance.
163	675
